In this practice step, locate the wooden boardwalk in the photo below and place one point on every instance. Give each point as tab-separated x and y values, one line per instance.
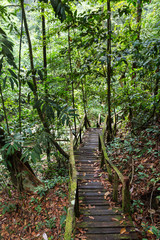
99	221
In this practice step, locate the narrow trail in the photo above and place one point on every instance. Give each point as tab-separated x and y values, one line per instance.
99	221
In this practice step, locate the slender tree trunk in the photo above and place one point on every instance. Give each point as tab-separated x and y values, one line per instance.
45	68
134	65
71	71
4	110
109	70
19	77
41	116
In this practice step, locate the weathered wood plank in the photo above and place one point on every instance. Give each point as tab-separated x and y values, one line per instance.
111	230
99	221
130	236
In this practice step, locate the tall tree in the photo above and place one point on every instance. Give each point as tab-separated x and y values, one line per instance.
41	115
109	68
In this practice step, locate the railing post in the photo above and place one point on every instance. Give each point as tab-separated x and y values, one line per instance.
115	188
99	121
99	144
126	198
80	135
77	213
85	121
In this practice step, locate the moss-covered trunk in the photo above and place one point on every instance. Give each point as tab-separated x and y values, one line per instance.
21	173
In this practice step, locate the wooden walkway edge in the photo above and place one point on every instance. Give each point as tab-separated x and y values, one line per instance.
99	221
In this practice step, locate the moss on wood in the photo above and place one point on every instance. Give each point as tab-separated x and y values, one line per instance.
70	220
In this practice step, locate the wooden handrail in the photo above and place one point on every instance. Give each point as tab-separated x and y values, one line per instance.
73	209
126	202
84	124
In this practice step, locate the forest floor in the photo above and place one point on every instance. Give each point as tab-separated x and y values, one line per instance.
42	215
33	216
138	156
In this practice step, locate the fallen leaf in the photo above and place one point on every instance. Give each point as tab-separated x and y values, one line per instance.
151	211
123	230
115	219
91	217
106	194
149	231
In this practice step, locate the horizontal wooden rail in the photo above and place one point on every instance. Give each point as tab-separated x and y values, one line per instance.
73	208
126	200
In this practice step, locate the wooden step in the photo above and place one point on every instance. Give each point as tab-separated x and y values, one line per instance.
99	221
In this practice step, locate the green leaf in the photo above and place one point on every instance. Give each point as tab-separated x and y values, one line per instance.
9	151
4	82
62	220
12	73
31	86
12	83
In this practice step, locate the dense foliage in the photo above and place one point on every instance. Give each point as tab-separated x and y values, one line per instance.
60	60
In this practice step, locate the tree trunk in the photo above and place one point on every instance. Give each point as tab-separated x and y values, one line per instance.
109	70
48	150
71	72
22	175
41	116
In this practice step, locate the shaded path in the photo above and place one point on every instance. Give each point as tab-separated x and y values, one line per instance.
99	221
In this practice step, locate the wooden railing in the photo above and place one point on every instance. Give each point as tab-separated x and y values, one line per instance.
112	169
73	208
84	124
99	121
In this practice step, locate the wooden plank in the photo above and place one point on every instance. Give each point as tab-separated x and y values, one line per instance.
112	224
99	221
97	204
96	212
111	230
110	236
99	218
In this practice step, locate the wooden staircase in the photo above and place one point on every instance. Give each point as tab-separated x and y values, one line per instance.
99	222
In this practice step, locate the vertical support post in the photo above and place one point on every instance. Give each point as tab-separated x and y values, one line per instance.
85	121
99	144
80	135
115	188
126	198
77	213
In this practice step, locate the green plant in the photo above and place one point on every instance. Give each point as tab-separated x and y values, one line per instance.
38	209
138	205
62	221
34	200
51	223
39	225
9	208
151	229
142	175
